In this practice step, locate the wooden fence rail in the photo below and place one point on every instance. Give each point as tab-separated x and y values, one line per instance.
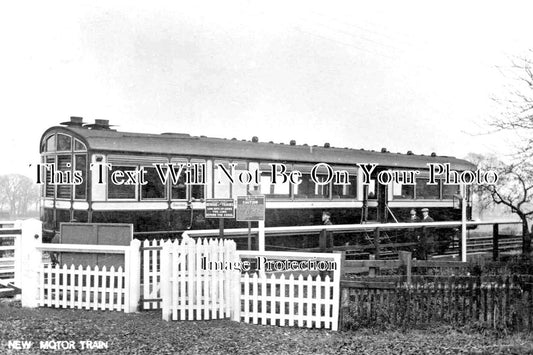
504	304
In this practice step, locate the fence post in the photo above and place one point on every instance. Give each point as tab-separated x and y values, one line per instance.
134	273
371	269
423	244
31	260
323	240
236	289
166	293
495	241
343	259
336	291
18	256
405	258
376	242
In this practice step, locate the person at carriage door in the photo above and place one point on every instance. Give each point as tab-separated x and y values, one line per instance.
426	241
413	217
326	220
425	216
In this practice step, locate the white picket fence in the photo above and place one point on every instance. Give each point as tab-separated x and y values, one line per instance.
283	299
196	282
303	302
83	288
199	281
188	279
73	286
10	261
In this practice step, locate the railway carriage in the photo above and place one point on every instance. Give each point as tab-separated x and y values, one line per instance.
75	149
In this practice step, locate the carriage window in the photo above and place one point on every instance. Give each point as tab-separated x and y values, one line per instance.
198	174
79	146
64	142
64	164
240	189
120	191
403	191
154	188
345	191
221	181
371	189
51	144
80	191
179	190
425	191
308	188
322	191
449	190
278	190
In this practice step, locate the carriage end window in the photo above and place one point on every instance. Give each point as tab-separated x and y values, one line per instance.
64	143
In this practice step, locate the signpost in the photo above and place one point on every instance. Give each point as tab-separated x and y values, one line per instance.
252	208
220	208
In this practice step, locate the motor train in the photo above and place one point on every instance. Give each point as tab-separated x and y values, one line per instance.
76	190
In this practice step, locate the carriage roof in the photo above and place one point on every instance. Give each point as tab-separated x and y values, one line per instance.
177	144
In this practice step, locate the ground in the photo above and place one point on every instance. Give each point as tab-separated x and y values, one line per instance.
147	333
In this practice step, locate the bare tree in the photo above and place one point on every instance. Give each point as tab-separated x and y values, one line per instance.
514	189
517	106
18	192
515	186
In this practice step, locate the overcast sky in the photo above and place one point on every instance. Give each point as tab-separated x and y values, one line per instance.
397	74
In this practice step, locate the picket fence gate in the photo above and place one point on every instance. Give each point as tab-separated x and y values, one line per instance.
191	289
151	274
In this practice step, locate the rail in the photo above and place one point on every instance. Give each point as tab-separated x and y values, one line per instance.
282	231
375	228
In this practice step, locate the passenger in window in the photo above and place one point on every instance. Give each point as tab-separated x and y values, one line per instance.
326	218
413	217
425	216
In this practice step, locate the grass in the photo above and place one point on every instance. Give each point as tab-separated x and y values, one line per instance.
147	333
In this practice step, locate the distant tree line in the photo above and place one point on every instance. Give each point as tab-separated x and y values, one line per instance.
19	195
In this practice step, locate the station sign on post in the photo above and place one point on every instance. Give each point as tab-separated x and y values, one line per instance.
220	208
252	208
